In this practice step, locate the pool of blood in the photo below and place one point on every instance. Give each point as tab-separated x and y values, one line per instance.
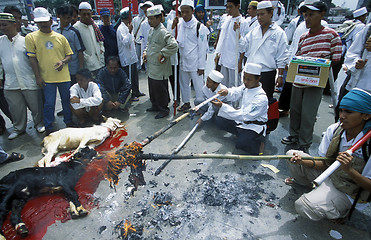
41	212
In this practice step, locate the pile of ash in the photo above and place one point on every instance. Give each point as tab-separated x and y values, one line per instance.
160	215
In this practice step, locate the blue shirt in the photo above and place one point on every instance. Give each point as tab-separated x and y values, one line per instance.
75	41
110	41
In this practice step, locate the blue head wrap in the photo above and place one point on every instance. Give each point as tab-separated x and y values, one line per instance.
358	100
200	8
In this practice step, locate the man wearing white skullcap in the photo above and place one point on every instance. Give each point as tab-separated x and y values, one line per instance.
192	40
92	38
249	122
212	86
172	14
137	21
144	27
226	52
266	45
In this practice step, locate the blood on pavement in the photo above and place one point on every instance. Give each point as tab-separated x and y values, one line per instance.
41	212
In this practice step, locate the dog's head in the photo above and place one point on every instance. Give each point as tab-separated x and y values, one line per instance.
85	155
112	123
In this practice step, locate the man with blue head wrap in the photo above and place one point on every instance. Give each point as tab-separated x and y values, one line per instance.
349	186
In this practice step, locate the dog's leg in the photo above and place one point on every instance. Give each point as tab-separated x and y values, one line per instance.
52	149
15	218
76	209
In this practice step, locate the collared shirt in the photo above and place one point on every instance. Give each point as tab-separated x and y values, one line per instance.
251	23
92	97
254	107
227	45
355	53
94	51
268	50
192	49
126	46
208	94
17	67
343	146
160	41
76	44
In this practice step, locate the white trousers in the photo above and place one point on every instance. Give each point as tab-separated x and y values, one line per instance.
229	77
185	86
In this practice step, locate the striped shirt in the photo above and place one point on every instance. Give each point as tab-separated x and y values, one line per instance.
323	44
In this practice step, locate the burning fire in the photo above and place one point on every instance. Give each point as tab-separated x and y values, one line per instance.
122	158
128	228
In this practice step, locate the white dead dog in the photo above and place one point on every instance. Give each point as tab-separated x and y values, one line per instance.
76	138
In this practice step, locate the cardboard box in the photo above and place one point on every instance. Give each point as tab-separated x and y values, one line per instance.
309	71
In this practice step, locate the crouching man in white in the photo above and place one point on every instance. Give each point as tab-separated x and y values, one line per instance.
249	122
86	99
349	186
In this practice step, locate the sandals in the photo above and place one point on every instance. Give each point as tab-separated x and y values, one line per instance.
289	181
185	107
13	157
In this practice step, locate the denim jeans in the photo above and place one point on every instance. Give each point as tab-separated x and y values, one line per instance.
50	94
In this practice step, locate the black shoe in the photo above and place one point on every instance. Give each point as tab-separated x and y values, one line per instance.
289	140
161	115
152	109
141	94
60	113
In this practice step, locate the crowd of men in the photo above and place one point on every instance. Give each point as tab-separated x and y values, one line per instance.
95	69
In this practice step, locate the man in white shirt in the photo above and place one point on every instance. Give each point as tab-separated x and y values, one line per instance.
248	123
137	21
267	46
92	39
192	40
226	53
212	87
127	53
252	20
20	89
145	27
86	99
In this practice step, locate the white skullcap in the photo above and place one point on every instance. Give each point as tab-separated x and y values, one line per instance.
253	68
174	3
216	76
188	3
140	5
360	12
41	15
148	4
264	5
301	4
153	11
84	5
161	7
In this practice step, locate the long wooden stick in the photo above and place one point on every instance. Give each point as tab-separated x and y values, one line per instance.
175	121
185	140
155	157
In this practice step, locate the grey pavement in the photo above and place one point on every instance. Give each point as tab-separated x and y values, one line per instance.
210	198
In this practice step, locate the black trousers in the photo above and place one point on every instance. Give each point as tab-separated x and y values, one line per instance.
159	94
172	83
134	79
5	108
285	97
268	80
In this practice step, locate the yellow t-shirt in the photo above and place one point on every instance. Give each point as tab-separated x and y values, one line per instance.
49	48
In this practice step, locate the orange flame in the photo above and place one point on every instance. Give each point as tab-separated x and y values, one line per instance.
128	228
122	158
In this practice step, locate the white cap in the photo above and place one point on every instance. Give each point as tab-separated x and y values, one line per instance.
41	15
264	5
216	76
24	18
301	4
360	12
153	11
85	5
174	3
253	68
148	3
161	7
125	9
140	5
188	3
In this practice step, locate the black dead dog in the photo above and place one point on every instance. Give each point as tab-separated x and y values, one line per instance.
19	186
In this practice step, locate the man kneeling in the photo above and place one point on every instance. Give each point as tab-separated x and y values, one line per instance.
248	122
86	99
333	199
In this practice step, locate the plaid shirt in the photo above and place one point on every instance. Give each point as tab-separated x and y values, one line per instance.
324	44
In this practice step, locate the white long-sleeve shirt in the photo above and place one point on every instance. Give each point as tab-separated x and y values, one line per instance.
144	31
18	71
268	50
352	36
208	94
226	47
92	97
254	107
355	53
126	46
192	49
